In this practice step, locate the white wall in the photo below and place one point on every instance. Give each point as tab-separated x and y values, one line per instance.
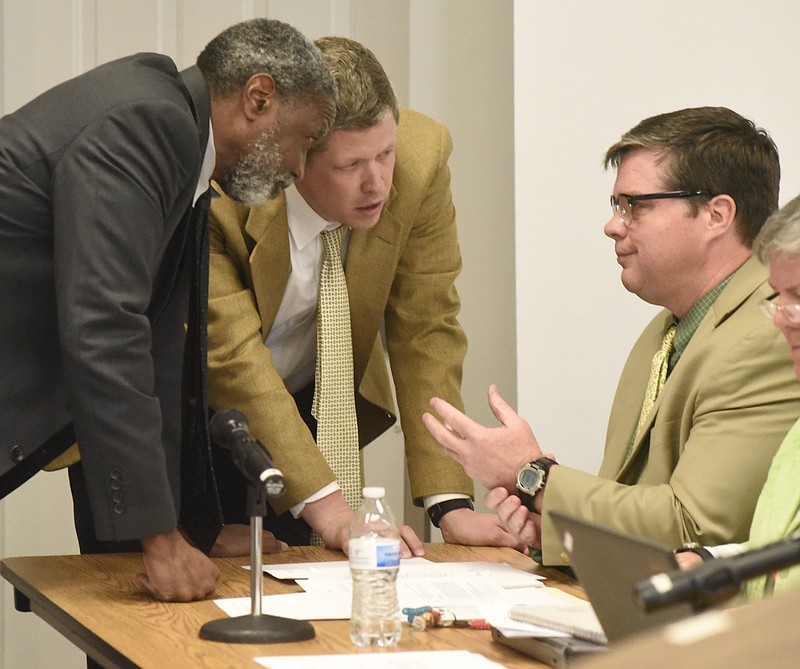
448	58
585	72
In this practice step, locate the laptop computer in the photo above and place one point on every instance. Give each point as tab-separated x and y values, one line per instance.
608	564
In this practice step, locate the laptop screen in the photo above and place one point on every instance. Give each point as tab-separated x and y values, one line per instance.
608	565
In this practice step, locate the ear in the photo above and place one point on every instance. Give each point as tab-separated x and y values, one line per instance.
722	214
258	94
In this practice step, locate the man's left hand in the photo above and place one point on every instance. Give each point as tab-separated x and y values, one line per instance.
470	528
234	541
524	525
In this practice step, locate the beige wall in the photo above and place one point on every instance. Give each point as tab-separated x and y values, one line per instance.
448	58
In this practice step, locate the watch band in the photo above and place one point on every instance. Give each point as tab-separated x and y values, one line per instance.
437	511
527	499
697	549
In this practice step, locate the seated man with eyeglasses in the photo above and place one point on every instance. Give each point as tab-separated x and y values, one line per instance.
707	392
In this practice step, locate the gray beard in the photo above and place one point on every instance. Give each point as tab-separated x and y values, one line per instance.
257	176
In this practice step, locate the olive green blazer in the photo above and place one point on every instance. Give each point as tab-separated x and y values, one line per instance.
400	275
699	465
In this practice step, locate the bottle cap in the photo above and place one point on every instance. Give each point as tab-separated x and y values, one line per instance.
374	492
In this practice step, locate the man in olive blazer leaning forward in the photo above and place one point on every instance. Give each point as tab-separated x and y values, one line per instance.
390	186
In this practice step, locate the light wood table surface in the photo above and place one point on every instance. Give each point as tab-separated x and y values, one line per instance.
96	602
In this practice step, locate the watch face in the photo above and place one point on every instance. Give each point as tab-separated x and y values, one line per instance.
530	479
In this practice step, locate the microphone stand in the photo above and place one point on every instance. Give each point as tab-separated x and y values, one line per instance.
257	627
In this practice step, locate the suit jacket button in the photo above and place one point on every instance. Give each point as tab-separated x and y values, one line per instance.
119	508
17	453
116	473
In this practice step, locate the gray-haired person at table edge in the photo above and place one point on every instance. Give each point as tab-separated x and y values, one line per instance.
693	189
104	185
777	513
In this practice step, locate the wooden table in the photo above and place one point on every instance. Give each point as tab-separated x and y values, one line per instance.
96	602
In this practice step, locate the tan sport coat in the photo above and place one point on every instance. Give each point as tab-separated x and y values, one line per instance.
400	273
698	467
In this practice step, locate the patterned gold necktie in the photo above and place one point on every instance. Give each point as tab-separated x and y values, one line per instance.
334	404
658	376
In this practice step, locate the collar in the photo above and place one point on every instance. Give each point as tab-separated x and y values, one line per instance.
687	326
207	168
305	224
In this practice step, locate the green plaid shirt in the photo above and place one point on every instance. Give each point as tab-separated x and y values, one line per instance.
688	325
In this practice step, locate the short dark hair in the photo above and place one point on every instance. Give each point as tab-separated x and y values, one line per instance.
716	150
364	93
266	45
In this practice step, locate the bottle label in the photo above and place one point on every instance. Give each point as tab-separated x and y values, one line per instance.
374	553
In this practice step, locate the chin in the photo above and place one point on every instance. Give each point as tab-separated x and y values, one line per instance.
363	224
630	284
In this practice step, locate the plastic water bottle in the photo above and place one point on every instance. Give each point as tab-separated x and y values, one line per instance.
374	563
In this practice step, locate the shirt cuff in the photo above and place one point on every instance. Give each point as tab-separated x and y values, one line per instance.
430	500
297	509
726	550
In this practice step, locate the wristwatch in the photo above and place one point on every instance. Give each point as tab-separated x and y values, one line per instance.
531	478
697	549
437	511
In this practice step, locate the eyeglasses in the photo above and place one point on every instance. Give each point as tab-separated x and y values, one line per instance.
791	312
622	204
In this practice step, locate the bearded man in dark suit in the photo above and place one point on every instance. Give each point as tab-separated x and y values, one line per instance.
104	184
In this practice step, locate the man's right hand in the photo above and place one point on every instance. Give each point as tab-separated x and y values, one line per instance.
174	571
489	455
330	517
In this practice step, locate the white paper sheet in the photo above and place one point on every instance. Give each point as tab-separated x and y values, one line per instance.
331	601
458	587
433	659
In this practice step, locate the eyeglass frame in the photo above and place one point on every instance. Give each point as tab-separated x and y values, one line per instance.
791	311
627	218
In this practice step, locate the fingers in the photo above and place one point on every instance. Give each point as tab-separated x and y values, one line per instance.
410	543
495	496
174	571
189	586
500	408
515	517
269	544
234	541
457	424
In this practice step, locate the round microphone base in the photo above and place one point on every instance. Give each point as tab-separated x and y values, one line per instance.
257	629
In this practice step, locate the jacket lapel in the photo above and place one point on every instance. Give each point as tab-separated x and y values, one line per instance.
270	262
369	255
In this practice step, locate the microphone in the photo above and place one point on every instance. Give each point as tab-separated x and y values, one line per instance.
717	580
231	431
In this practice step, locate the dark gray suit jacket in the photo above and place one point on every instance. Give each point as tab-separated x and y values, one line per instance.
96	178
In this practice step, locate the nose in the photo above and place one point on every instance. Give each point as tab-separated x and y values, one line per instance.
615	227
782	322
371	178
